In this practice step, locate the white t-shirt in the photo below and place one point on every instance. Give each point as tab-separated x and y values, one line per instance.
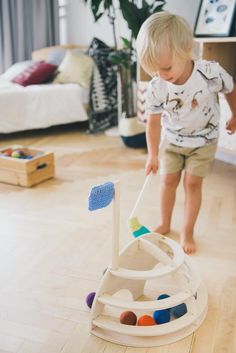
190	112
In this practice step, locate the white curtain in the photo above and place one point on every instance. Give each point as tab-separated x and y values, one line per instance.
26	25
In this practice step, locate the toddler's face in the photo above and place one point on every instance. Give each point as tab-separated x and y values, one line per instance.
172	70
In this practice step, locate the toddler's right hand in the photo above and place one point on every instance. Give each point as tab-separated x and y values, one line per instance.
151	165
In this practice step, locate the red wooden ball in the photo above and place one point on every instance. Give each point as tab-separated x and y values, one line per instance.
128	318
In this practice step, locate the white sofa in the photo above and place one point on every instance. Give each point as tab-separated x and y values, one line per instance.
41	105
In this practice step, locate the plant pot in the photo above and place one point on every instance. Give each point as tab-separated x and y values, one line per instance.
132	132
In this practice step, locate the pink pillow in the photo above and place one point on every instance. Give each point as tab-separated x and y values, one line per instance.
37	73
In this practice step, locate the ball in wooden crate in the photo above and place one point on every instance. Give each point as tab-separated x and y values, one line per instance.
128	318
7	152
15	154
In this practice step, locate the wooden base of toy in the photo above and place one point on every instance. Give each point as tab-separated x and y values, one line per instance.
149	266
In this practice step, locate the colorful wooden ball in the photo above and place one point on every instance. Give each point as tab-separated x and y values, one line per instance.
15	154
161	316
23	155
128	318
25	151
90	298
163	296
179	310
146	320
7	152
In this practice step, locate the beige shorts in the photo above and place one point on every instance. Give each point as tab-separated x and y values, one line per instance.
196	160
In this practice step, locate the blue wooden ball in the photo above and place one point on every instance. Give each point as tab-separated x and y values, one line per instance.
161	316
179	310
90	298
163	296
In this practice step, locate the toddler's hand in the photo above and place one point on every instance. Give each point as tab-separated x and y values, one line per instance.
151	165
231	125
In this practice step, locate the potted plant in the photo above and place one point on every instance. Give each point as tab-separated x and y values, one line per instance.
126	60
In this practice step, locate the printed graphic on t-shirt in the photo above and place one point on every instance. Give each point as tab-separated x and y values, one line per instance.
190	112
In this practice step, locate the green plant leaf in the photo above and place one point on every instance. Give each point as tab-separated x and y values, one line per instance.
120	57
95	6
158	8
108	4
130	13
126	43
135	16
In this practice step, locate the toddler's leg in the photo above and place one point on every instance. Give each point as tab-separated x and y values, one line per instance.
193	196
169	183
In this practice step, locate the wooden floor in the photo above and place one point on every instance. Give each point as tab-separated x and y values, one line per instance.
51	256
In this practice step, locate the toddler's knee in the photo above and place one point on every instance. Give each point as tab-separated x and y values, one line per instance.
170	182
192	184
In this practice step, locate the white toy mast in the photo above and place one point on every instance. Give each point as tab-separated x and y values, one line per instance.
116	227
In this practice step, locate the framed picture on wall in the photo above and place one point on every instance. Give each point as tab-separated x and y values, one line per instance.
215	18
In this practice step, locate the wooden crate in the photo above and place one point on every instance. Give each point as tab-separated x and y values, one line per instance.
26	172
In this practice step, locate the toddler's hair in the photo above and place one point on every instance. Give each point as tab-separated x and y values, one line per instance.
160	32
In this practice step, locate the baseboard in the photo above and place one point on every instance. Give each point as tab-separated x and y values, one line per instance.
226	155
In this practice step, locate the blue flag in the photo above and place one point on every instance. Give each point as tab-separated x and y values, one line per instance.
101	196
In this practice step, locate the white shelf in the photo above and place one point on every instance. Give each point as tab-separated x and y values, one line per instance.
215	39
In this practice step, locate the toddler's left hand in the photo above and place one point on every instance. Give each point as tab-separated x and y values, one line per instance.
231	125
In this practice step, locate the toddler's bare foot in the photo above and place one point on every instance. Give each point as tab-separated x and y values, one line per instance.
188	244
162	229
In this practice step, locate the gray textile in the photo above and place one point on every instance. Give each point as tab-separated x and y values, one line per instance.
26	25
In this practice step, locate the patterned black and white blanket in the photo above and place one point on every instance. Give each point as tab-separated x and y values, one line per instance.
103	89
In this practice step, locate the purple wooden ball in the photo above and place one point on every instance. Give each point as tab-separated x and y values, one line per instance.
90	298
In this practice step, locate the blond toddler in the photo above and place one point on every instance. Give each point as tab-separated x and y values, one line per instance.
182	109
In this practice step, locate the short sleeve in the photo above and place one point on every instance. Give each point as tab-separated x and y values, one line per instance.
227	83
217	78
154	104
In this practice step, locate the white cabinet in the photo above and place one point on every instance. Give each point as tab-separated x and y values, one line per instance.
222	50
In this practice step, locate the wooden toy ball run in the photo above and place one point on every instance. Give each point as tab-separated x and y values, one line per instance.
150	276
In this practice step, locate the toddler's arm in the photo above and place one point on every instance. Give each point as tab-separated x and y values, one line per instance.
153	133
231	99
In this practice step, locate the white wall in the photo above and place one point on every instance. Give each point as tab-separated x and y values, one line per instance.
188	9
81	26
